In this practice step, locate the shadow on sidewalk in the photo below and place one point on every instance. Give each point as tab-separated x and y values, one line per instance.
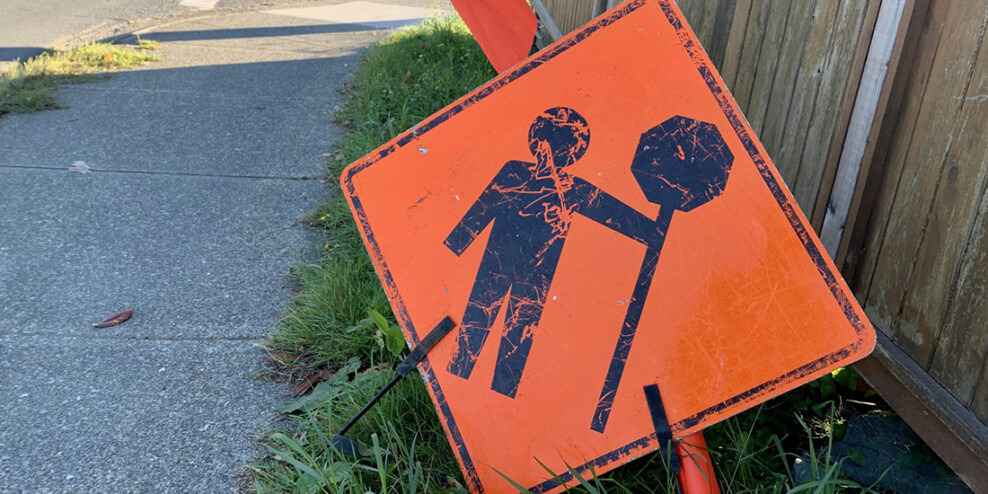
261	32
11	53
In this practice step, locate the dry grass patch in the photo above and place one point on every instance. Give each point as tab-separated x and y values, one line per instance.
30	86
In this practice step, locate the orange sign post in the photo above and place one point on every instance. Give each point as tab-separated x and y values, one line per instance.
598	220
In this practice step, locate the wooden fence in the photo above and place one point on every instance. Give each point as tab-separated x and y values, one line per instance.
876	114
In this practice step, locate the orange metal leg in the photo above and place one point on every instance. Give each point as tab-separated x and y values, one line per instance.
696	473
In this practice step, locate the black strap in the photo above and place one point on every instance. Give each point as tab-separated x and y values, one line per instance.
406	366
661	425
418	353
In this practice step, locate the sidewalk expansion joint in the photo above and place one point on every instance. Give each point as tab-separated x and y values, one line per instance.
177	174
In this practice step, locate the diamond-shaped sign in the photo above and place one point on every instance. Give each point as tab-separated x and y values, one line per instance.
598	219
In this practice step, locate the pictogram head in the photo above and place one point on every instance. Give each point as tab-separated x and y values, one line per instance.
560	134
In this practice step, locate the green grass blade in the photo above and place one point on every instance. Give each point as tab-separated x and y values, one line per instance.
514	484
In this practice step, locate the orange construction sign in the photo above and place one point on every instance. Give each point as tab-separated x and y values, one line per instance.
599	219
505	29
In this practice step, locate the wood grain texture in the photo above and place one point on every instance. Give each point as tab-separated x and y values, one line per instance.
963	345
788	158
962	203
932	24
876	148
920	252
758	20
865	237
735	43
956	192
711	21
866	92
716	40
790	59
829	101
569	14
764	69
849	102
979	402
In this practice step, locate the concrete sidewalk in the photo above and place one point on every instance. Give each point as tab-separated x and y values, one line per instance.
201	166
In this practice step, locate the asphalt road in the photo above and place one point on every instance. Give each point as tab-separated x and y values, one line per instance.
29	26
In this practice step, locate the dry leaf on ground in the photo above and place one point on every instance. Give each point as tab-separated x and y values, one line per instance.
306	384
114	320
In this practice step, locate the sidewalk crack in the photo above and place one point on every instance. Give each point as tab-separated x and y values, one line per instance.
136	338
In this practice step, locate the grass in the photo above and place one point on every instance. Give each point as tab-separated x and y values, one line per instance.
405	78
402	80
147	44
27	87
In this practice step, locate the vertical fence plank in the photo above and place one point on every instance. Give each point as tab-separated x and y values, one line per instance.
963	345
962	204
569	14
870	90
716	41
754	38
979	402
849	102
829	101
865	170
764	70
807	85
916	229
955	197
867	237
735	43
872	292
790	57
711	21
693	12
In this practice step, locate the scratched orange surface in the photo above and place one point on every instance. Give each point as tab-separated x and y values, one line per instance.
744	303
503	29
